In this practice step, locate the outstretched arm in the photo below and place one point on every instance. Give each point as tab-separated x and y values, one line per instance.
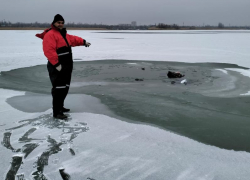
77	41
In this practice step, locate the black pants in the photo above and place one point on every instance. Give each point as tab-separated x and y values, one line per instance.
61	82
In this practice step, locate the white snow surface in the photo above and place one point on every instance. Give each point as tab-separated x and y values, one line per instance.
116	150
223	70
244	73
23	48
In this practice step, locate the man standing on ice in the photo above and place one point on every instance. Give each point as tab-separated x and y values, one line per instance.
57	48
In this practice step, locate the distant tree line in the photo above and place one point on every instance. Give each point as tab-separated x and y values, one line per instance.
166	26
75	25
118	27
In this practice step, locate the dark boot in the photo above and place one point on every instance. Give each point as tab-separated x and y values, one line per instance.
60	116
65	109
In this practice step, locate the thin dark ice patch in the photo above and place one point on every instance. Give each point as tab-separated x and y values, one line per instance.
28	148
39	164
43	160
72	152
6	142
25	137
17	127
15	165
46	121
90	178
43	121
64	175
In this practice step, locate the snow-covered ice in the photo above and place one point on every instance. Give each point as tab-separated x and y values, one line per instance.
22	48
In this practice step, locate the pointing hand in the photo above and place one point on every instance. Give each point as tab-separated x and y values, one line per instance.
87	44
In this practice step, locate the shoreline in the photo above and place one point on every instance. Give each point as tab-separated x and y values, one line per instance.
39	28
150	29
208	109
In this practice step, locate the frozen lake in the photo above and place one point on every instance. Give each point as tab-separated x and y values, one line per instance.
94	146
22	48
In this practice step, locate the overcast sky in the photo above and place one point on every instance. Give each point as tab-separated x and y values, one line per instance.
189	12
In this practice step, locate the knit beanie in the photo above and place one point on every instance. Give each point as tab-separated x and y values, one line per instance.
57	17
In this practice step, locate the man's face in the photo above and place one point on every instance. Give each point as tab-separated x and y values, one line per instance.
59	24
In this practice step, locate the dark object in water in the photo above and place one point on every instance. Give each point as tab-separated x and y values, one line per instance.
138	79
174	74
142	68
65	176
172	82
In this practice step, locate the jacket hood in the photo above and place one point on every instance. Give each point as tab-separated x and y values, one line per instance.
41	35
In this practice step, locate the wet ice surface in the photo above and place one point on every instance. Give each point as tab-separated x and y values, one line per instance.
95	146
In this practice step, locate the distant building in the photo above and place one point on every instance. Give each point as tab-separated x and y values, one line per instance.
133	23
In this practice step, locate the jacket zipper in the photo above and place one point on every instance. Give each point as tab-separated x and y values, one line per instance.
65	38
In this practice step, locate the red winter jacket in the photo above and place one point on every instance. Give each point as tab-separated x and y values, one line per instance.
57	44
